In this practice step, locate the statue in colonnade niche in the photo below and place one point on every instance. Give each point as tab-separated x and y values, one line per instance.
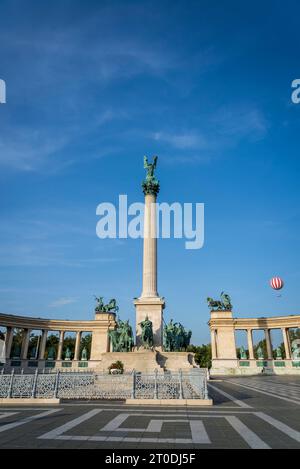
84	354
295	349
278	353
68	354
260	353
51	353
243	354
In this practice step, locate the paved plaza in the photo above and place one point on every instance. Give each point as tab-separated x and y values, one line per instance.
249	412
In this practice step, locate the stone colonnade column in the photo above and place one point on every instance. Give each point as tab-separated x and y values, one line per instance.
43	344
25	344
269	344
250	344
286	342
60	345
77	346
213	344
8	341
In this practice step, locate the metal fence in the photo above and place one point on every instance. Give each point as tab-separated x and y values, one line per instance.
190	384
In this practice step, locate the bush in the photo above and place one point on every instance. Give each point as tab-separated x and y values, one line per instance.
118	365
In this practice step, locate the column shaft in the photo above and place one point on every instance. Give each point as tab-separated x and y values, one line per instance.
286	343
269	344
43	344
213	344
8	341
60	345
150	248
25	344
77	345
250	344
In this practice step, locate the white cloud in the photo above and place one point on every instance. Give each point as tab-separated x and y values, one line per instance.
181	140
62	302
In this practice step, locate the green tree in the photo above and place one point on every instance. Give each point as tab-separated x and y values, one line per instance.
202	354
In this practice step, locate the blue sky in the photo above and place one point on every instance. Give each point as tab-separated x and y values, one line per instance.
92	86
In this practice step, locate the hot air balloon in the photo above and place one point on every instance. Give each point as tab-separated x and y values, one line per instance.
276	283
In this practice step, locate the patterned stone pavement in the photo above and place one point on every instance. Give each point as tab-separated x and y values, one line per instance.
249	412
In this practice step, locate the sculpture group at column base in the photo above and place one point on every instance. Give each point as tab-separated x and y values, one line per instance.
146	361
153	308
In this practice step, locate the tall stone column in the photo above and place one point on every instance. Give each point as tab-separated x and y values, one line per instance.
284	331
150	248
213	344
149	304
269	344
25	344
8	341
250	344
43	344
60	345
77	345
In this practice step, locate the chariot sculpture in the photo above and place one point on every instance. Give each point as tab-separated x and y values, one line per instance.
220	305
110	307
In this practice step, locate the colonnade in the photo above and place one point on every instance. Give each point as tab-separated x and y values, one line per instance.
42	343
98	328
285	335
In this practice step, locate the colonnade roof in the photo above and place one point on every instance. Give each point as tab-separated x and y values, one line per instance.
27	322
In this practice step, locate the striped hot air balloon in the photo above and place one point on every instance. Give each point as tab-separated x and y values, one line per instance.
276	283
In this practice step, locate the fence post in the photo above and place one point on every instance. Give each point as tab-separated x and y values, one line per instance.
155	384
10	388
205	386
180	385
34	384
133	385
56	385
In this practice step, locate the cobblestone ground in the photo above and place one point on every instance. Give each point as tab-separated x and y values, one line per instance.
250	412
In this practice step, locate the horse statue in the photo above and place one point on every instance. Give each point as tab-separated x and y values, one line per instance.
214	304
111	306
147	333
126	340
217	305
100	304
226	301
176	338
122	337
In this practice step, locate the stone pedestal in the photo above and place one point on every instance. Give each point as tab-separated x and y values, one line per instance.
141	361
153	308
100	338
